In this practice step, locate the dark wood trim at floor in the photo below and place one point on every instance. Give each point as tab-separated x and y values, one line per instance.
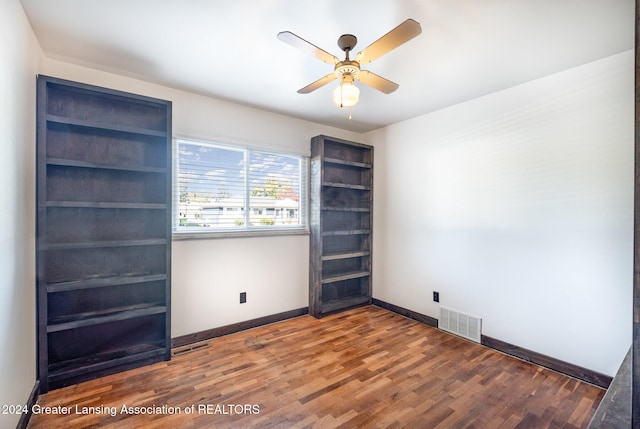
584	374
208	334
33	399
423	318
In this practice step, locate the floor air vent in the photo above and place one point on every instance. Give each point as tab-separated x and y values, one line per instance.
189	349
464	325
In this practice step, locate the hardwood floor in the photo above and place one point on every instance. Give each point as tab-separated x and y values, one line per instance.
364	368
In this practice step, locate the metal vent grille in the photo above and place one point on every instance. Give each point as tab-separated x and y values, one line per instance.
464	325
189	349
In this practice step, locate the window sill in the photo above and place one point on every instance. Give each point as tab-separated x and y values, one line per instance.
179	236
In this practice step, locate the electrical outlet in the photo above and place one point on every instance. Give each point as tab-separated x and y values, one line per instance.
436	296
243	297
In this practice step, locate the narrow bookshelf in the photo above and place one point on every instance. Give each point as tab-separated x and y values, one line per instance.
103	231
340	223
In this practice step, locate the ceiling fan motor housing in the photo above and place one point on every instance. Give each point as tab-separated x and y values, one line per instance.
347	67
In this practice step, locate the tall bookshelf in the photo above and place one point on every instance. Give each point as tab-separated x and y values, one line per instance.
103	231
340	222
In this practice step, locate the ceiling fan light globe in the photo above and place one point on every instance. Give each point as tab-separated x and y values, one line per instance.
346	95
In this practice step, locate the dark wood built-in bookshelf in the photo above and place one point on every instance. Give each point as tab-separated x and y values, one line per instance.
340	222
103	231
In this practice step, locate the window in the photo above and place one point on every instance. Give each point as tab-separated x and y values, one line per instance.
222	188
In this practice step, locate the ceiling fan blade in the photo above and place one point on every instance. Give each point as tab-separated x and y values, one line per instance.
377	82
309	48
394	38
318	83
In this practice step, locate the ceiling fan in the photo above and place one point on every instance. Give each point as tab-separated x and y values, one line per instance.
348	70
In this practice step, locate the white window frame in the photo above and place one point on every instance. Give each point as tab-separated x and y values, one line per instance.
190	232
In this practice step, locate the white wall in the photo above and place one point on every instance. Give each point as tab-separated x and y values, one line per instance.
517	207
208	275
19	57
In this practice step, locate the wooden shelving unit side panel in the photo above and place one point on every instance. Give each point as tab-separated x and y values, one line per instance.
103	231
315	226
341	210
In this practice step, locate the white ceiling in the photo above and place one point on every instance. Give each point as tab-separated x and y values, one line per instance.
229	50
